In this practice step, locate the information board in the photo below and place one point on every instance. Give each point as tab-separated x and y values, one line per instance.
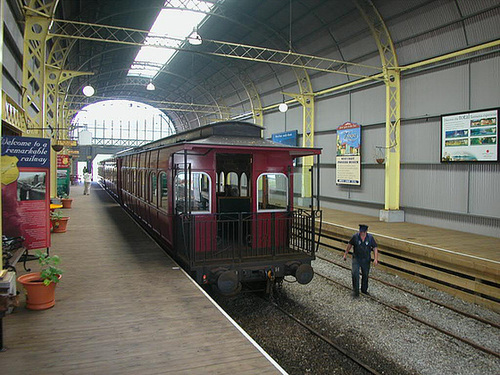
286	138
348	160
25	190
470	136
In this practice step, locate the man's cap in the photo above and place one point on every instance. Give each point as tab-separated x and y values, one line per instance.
363	227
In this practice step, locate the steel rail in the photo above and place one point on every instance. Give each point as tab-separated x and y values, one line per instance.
478	318
442	330
327	340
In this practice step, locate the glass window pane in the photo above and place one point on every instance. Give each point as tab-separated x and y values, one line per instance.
153	188
244	185
198	192
272	191
232	187
163	190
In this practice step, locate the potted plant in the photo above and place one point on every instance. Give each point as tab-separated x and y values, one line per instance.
66	200
40	286
59	221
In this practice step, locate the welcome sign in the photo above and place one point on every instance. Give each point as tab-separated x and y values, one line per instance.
26	190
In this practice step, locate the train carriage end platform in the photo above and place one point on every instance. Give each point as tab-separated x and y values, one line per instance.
463	264
123	307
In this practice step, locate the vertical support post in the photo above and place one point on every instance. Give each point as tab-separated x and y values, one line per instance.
35	35
392	139
307	101
392	76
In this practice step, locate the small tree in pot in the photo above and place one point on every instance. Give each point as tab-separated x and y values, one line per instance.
40	286
66	200
59	221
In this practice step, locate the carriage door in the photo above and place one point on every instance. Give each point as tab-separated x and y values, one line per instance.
233	202
195	224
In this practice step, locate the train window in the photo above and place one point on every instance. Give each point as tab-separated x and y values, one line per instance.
199	191
232	185
272	192
162	179
133	186
244	185
153	188
221	181
142	183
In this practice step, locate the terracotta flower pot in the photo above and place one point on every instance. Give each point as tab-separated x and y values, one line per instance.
59	225
38	295
66	202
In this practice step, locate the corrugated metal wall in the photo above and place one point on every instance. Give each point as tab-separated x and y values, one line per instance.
465	196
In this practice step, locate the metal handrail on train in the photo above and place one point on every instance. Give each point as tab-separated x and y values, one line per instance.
242	236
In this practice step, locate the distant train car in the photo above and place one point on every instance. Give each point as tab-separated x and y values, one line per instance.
220	200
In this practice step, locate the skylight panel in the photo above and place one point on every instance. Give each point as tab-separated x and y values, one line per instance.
176	24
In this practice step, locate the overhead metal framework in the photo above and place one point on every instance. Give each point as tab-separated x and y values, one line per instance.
46	102
120	35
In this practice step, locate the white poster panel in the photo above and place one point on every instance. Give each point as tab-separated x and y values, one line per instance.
470	136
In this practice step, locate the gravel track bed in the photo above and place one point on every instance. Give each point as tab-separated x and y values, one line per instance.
385	339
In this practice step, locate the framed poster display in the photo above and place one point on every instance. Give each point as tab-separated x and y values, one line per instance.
470	136
348	159
26	190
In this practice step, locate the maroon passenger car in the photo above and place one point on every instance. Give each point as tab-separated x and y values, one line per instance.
220	200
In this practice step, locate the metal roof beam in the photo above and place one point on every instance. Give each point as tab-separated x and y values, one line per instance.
120	35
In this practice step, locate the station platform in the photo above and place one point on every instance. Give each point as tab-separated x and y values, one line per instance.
463	264
123	306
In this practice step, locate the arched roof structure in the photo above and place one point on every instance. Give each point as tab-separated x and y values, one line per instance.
216	73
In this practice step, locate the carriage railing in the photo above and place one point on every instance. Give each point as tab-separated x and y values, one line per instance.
240	237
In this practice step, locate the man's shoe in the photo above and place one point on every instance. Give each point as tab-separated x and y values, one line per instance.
355	294
365	293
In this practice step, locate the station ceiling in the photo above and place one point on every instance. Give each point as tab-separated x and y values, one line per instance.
220	78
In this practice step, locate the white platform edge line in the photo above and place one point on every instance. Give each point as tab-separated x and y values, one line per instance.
242	331
418	244
231	320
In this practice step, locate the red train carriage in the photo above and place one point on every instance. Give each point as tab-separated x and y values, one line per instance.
220	199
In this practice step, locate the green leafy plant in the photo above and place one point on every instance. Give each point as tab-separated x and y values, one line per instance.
64	196
49	271
56	215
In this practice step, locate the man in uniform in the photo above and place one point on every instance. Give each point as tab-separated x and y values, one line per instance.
363	244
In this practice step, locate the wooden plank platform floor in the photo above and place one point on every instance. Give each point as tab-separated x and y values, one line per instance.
122	307
439	238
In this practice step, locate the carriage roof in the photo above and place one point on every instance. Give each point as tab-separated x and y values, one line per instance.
222	134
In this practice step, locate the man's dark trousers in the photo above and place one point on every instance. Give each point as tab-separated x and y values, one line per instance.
364	264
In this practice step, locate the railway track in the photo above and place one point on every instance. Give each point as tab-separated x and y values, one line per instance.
401	310
438	303
328	341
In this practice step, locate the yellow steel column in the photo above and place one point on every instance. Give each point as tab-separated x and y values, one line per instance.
35	33
392	81
307	102
50	88
37	22
392	140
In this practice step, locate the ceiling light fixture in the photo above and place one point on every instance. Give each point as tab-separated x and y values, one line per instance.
283	107
194	38
150	86
88	90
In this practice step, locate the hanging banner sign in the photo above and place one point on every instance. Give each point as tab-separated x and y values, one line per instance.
470	136
348	159
286	138
66	142
63	161
25	190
